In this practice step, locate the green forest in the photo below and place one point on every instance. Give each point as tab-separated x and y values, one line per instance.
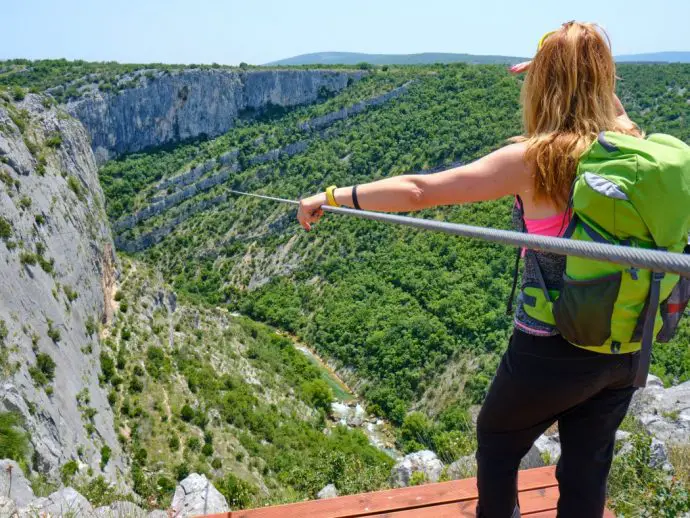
347	281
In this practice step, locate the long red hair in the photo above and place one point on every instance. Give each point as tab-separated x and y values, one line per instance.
567	99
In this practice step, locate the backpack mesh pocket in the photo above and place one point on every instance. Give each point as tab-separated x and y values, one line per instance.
584	309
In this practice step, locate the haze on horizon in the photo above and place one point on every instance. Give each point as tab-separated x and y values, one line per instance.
228	32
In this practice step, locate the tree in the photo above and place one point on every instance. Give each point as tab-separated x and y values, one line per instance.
318	394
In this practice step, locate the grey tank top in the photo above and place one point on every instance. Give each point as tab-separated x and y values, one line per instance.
552	267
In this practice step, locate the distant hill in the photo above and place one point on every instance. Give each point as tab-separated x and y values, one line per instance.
352	58
669	57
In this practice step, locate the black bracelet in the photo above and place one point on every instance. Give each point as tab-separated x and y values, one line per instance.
355	202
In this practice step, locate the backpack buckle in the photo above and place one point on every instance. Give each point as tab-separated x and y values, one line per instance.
658	276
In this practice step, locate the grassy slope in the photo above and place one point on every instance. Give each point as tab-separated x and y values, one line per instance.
198	390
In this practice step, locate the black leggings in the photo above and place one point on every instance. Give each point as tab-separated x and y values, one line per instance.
542	380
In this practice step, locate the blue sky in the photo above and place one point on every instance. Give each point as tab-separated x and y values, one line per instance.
230	31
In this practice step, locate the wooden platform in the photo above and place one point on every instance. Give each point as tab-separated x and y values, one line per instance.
455	499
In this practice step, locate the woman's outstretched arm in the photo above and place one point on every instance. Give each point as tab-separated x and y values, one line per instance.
498	174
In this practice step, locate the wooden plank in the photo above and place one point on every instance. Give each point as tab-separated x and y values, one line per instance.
552	514
415	497
534	501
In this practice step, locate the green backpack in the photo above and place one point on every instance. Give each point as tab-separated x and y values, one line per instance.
632	192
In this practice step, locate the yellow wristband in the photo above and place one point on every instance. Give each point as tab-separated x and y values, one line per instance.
330	196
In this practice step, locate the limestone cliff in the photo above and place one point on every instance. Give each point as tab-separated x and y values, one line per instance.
57	267
168	107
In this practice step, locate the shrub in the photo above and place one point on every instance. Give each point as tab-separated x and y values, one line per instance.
70	292
187	413
3	331
90	326
105	455
207	450
47	265
216	463
418	478
5	229
181	471
239	493
318	394
136	385
417	427
194	444
140	456
174	443
54	140
40	219
636	489
14	441
68	470
53	333
44	370
28	258
107	366
450	446
99	492
155	361
18	93
74	184
25	202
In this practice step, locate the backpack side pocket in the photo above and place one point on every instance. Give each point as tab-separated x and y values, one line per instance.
584	309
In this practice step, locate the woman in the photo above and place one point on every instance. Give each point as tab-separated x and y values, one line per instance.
568	98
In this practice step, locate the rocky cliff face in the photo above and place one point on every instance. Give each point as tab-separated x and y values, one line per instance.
57	267
169	107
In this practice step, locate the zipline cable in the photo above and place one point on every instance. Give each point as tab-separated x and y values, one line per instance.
647	259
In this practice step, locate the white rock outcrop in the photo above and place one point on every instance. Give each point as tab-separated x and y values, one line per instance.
188	103
14	485
65	502
56	266
121	509
424	461
8	508
195	495
464	467
329	491
664	412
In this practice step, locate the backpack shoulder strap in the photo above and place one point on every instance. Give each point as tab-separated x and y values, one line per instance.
648	330
518	254
529	256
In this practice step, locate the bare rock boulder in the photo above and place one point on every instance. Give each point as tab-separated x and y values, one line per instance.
329	491
65	502
425	462
14	485
195	495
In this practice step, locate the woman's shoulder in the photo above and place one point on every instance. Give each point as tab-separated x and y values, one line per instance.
513	159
